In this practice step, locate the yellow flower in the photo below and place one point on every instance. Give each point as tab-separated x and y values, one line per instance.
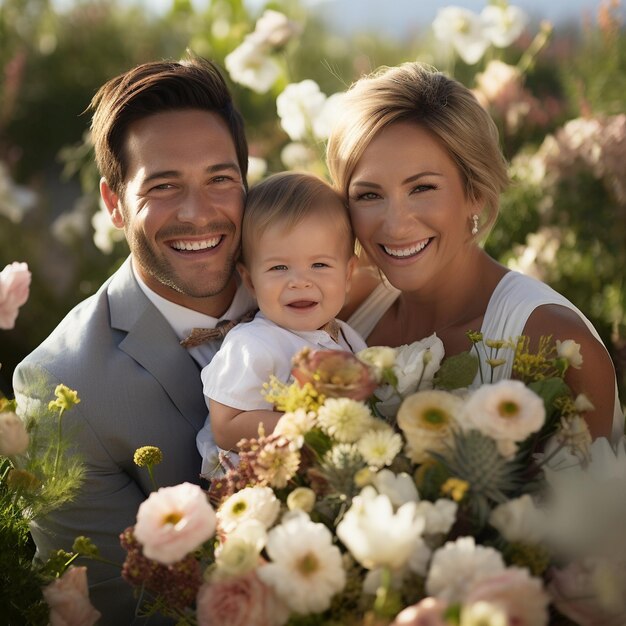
456	488
147	456
66	398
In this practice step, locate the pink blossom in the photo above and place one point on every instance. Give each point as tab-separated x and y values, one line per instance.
241	601
334	373
13	436
173	521
14	286
68	599
573	594
429	612
515	592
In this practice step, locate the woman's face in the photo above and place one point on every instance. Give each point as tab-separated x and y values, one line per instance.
409	209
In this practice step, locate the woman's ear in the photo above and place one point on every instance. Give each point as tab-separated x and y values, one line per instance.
112	202
245	277
352	263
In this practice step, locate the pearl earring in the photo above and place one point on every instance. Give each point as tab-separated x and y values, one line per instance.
475	224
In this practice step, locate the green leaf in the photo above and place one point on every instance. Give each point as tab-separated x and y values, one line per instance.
549	389
318	441
457	371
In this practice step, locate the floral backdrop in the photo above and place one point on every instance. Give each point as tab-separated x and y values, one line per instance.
557	93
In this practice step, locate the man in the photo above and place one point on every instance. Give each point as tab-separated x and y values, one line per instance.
171	149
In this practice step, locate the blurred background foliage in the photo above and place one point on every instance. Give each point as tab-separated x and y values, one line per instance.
563	219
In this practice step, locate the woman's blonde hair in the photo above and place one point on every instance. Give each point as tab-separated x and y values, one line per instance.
286	199
414	92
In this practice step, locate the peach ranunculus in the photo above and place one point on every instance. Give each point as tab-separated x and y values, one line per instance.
14	288
428	612
68	599
173	521
241	601
334	373
514	591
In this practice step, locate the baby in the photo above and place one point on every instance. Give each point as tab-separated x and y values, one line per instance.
297	259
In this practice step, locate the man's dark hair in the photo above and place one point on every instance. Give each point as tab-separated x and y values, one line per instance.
158	87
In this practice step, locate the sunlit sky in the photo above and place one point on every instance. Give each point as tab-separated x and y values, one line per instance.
385	13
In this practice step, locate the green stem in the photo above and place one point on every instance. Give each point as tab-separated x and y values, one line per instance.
382	593
57	457
154	485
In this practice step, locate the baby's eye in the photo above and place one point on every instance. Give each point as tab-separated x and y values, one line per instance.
278	268
320	264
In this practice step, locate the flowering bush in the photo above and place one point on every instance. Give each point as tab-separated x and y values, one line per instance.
35	478
464	506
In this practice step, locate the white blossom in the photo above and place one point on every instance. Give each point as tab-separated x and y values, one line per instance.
463	30
251	66
376	535
306	569
298	106
502	25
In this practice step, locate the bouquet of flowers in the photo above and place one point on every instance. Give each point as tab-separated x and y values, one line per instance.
391	492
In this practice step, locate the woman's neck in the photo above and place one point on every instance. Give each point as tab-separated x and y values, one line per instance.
449	308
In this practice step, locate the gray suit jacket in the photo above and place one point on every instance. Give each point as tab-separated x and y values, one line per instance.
137	387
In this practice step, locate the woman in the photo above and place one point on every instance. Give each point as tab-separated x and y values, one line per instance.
418	161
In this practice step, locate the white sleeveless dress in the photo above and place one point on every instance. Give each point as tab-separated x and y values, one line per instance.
514	299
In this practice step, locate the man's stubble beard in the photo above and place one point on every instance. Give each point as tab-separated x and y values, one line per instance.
162	271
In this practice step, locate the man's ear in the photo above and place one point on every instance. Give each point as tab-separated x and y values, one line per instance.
245	277
350	270
112	202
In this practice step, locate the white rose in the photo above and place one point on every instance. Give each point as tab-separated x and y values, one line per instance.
570	350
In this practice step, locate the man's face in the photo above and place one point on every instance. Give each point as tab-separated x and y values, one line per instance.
181	207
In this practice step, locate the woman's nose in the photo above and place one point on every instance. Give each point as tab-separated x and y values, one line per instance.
399	218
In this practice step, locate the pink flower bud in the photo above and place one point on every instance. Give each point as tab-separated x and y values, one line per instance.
334	373
14	286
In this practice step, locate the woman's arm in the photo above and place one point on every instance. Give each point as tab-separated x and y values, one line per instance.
230	425
596	376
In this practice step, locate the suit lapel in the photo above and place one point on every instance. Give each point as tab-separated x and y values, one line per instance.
151	342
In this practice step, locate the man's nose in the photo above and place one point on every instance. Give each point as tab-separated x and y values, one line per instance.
195	208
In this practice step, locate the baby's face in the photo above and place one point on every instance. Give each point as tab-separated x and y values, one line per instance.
301	276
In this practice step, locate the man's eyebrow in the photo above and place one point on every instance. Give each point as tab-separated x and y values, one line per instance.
212	169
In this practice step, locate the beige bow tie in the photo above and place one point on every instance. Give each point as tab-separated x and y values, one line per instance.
198	336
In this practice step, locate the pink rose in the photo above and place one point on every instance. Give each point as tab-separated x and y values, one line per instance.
242	601
13	436
571	590
173	521
515	592
429	612
334	373
14	285
68	599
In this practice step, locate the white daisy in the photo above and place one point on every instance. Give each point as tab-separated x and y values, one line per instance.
458	565
240	552
427	419
505	411
306	569
251	503
295	425
379	447
344	419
